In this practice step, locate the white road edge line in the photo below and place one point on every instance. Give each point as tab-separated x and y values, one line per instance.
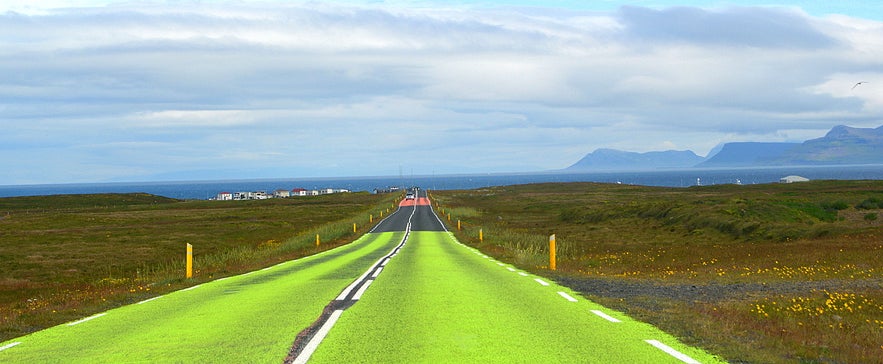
149	299
4	347
191	288
87	319
605	316
362	289
677	354
540	281
377	272
510	269
567	296
317	339
522	274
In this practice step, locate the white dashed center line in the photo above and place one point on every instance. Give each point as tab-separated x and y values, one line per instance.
567	296
7	346
605	316
542	282
362	289
677	354
377	272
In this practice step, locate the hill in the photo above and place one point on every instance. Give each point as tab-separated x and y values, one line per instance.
611	159
746	154
842	145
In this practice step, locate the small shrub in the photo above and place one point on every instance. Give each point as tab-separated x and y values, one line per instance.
872	203
871	217
835	206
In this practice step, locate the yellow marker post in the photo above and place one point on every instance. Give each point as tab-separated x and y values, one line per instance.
381	214
449	217
552	252
458	225
189	263
317	239
371	218
481	235
354	227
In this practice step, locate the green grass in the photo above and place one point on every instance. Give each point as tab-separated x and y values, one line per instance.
67	256
251	318
797	236
438	301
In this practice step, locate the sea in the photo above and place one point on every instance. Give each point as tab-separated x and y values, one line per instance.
205	190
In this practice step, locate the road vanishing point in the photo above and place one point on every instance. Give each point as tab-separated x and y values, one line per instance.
407	292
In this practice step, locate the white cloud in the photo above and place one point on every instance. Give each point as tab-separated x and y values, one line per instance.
135	90
194	118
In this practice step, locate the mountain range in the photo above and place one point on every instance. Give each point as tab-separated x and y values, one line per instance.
841	145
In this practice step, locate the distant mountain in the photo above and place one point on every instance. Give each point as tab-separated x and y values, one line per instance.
611	159
842	145
745	154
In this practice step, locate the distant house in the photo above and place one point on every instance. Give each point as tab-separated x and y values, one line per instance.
390	189
224	196
299	192
281	193
792	179
256	195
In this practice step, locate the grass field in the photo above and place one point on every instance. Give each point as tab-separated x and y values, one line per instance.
762	273
68	256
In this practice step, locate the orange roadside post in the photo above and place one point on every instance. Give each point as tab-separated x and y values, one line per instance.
552	252
189	263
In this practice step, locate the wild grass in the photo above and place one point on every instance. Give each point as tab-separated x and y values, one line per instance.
62	257
800	240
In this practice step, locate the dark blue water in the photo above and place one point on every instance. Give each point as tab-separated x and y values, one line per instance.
666	178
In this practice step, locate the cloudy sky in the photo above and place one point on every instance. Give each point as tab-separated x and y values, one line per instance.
95	91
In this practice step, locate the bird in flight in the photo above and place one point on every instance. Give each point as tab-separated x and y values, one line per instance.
858	83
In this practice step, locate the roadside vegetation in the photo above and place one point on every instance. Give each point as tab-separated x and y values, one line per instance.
65	257
774	273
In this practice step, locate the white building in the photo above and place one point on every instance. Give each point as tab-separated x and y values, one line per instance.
792	179
281	193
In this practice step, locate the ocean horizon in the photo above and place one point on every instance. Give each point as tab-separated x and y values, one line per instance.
203	190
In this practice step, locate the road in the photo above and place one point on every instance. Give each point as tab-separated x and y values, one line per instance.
406	292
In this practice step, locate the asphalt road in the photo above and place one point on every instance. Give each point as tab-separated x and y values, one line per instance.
418	212
436	300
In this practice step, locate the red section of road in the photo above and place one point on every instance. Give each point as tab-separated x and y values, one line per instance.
420	201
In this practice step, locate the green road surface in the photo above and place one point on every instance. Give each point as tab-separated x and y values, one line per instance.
250	318
440	301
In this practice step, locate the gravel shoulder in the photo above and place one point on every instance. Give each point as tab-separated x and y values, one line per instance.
705	293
